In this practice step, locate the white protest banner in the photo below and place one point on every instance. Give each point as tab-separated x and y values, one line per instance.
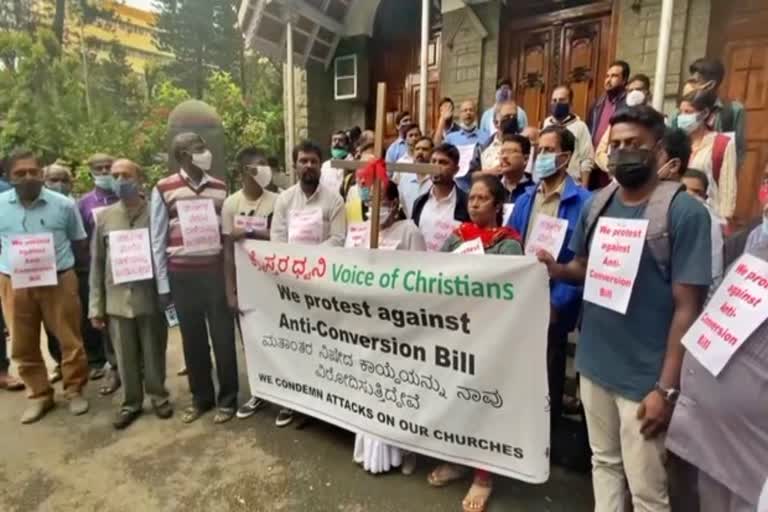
738	307
305	226
548	234
436	234
407	349
252	224
472	247
33	261
614	260
466	152
508	209
199	225
130	255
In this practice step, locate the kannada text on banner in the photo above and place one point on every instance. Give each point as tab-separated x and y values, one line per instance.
409	350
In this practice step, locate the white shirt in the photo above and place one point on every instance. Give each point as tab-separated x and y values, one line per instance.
722	195
437	220
331	177
238	204
583	158
411	187
407	233
331	204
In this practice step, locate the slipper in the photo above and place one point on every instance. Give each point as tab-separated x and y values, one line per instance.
111	385
445	474
192	413
96	374
11	383
477	497
224	414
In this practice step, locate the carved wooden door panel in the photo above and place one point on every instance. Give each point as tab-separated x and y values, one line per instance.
584	60
531	67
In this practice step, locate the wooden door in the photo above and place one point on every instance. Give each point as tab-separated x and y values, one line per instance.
570	46
745	55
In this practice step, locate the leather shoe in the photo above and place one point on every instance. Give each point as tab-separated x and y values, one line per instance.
36	410
78	405
163	410
125	418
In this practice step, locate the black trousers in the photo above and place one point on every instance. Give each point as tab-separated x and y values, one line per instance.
98	348
557	355
201	297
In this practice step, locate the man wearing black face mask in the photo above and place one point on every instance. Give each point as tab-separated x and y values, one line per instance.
487	157
630	363
583	158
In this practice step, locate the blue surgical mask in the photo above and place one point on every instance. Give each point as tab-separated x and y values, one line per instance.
126	189
545	166
689	123
104	182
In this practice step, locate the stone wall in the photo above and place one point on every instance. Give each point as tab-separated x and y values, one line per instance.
638	39
469	65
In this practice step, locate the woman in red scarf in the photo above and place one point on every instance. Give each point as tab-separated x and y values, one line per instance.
486	206
486	203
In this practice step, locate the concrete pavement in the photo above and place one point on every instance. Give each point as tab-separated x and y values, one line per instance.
67	464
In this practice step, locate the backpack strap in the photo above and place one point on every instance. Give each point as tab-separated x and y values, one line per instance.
600	202
657	214
719	146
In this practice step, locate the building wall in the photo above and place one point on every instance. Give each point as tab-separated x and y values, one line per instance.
469	65
637	39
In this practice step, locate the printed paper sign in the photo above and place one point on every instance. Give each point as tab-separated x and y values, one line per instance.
130	255
199	225
466	152
33	261
305	226
359	237
403	348
614	260
252	224
436	235
548	234
472	247
738	307
508	209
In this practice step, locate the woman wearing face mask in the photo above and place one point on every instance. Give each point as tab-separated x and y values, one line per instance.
486	203
397	233
713	153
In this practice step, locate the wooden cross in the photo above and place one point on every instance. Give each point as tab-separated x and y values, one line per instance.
378	148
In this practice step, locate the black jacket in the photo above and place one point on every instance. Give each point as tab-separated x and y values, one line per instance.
460	213
593	118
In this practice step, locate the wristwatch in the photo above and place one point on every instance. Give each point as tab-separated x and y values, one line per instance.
669	394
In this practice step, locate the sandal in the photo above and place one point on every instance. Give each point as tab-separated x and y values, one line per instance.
445	474
11	383
224	414
478	495
192	413
111	384
96	374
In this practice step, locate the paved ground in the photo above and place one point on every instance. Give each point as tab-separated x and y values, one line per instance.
81	464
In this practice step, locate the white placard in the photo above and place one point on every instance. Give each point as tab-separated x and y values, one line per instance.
199	225
548	234
305	226
435	235
130	255
33	261
614	260
508	209
466	152
409	350
359	237
472	247
252	224
738	307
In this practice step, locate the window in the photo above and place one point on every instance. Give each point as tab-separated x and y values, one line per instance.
345	77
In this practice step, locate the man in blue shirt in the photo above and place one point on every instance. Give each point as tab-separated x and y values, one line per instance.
7	381
467	132
30	209
630	363
399	148
503	94
556	195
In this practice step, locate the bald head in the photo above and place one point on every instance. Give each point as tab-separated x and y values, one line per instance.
468	114
100	163
127	170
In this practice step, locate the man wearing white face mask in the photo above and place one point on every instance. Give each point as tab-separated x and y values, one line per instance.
186	244
247	214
